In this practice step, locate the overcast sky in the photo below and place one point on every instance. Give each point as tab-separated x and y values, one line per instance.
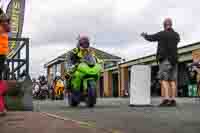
113	25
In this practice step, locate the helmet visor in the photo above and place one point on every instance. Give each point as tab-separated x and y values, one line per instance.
84	43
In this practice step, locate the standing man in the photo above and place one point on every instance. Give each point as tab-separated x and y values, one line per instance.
167	57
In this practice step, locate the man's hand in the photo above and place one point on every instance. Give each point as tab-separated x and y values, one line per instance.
143	34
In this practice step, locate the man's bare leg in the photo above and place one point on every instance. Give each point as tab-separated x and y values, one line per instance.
173	89
162	93
173	92
165	86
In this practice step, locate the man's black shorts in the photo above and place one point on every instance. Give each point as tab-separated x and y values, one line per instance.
167	71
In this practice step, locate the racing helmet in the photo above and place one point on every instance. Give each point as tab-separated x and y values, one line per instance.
83	42
58	74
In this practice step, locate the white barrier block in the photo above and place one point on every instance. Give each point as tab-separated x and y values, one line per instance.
140	91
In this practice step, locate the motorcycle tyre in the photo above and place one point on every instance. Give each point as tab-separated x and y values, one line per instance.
71	101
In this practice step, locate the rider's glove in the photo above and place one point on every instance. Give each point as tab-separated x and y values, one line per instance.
67	76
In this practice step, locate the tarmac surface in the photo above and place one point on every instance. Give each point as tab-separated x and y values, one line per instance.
115	115
109	116
35	122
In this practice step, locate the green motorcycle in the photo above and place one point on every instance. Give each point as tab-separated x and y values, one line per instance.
83	82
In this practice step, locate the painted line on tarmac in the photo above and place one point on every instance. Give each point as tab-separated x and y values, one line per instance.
82	124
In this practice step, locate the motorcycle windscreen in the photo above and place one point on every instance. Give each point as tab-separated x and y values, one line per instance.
89	59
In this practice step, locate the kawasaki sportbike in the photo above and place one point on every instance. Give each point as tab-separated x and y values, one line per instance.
83	82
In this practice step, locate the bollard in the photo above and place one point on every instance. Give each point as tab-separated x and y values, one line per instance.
140	93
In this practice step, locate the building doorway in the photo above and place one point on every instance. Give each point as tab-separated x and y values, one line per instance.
101	86
115	85
155	85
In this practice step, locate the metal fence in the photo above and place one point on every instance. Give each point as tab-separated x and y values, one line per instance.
18	59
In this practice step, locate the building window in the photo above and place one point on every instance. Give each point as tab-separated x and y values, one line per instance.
58	69
50	70
109	64
54	71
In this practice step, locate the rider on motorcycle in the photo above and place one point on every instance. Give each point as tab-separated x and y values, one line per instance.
57	77
36	88
195	68
43	80
34	82
58	86
74	56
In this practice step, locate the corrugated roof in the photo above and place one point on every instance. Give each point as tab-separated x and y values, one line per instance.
181	49
99	53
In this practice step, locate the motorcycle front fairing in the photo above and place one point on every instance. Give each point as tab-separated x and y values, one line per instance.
88	69
85	72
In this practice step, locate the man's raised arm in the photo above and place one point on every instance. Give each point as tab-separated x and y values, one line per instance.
151	38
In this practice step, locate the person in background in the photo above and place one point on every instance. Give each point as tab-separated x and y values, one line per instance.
167	40
43	80
198	80
57	77
36	88
196	67
4	49
33	80
34	83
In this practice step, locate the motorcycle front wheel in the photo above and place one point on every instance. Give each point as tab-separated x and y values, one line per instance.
91	98
71	100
